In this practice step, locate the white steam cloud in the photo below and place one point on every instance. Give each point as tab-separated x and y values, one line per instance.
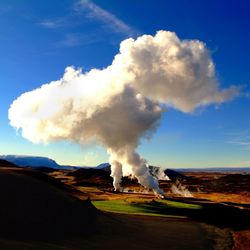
118	105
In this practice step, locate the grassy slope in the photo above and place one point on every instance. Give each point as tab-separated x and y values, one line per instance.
218	214
143	207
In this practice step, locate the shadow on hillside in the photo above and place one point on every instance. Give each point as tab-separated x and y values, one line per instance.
223	216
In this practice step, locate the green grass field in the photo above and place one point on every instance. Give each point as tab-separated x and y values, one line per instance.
163	208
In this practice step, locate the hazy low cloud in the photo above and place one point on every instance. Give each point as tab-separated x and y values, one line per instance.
244	144
118	105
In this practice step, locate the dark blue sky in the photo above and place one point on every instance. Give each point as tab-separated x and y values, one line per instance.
40	38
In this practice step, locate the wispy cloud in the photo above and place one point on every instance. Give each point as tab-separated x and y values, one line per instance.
241	139
54	23
70	40
80	14
76	39
95	12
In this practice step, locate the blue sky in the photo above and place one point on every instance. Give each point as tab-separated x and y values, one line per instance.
40	38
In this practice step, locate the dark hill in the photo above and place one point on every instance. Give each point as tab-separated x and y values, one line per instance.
32	207
173	175
92	177
98	178
101	177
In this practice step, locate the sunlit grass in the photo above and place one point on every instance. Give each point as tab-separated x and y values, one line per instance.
163	208
177	204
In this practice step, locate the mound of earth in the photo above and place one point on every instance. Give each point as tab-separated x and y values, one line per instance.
98	178
104	166
91	177
32	207
174	175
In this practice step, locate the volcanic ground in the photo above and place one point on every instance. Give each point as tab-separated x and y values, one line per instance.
78	209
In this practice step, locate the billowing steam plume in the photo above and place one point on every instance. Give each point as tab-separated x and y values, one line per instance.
180	189
118	105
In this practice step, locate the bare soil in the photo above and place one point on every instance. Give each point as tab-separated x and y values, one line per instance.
52	210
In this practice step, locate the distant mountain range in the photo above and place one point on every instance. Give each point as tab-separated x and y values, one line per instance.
158	171
216	170
33	161
45	162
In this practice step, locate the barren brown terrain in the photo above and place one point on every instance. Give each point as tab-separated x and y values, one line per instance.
228	189
45	209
